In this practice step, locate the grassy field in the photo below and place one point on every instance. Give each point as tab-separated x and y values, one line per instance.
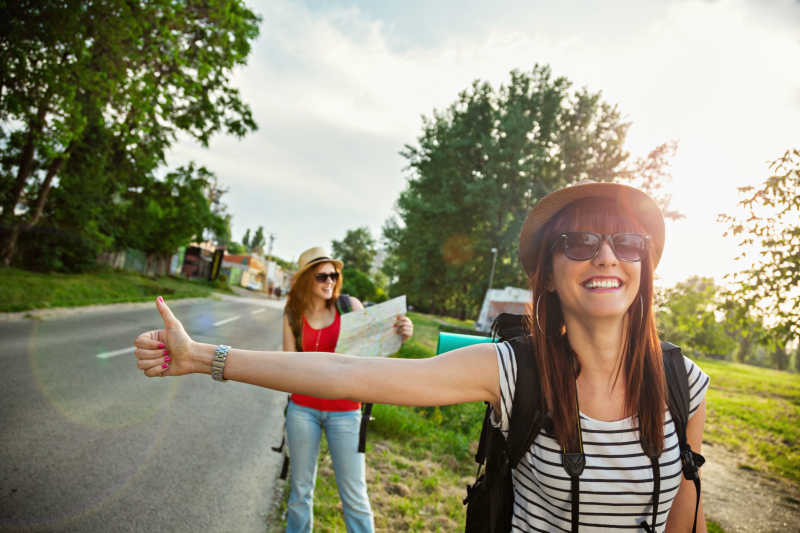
755	411
21	290
419	460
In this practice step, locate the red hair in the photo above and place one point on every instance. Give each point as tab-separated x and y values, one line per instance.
640	367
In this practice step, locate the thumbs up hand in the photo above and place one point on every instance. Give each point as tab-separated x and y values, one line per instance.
165	352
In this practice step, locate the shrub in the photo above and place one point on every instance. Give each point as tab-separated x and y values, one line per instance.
48	249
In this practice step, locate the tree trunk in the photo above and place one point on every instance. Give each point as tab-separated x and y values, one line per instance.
10	246
25	167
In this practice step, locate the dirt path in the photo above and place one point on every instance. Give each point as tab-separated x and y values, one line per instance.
743	500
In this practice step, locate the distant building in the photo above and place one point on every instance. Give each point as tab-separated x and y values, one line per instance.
496	301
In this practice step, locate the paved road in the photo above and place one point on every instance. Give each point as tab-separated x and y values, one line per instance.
88	444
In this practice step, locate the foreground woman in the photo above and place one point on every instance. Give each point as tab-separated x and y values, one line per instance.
589	252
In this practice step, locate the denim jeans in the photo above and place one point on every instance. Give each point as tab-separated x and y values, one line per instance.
304	427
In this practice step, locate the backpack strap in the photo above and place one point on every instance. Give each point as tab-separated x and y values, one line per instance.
527	415
678	403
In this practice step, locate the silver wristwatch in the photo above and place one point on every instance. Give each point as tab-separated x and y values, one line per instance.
218	363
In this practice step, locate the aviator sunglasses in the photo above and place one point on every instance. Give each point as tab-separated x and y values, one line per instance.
584	245
333	276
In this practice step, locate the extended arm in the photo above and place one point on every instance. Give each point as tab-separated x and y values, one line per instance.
464	375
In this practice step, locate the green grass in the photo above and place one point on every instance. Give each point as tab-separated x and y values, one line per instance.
21	290
755	411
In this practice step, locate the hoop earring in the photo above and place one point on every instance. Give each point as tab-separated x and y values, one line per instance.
538	324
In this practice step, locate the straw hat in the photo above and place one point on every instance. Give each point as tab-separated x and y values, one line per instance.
630	198
314	256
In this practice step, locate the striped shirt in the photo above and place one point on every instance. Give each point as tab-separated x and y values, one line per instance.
616	486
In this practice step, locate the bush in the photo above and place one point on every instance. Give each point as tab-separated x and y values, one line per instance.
356	283
49	249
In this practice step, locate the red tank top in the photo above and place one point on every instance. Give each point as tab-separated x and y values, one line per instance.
323	340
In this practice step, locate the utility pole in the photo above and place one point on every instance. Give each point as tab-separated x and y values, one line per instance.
494	259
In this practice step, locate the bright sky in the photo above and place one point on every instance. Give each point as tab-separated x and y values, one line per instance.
338	88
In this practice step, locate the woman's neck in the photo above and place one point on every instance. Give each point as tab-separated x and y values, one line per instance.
598	345
317	304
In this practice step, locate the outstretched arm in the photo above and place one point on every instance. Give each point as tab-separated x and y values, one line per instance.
464	375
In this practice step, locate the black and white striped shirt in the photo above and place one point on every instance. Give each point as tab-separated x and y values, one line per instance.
616	486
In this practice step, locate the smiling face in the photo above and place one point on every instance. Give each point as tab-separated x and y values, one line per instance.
600	288
323	289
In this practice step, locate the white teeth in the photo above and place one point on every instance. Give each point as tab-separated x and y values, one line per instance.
602	284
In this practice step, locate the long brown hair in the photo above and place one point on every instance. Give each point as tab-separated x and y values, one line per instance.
640	367
298	300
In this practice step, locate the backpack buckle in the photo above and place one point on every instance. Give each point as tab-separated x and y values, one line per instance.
690	462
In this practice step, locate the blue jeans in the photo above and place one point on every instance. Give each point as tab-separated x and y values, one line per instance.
304	427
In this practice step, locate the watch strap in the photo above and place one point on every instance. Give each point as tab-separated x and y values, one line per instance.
218	363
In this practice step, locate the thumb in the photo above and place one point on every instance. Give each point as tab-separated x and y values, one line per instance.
166	312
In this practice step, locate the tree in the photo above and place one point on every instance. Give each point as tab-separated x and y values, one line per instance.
246	239
768	234
142	71
168	214
356	283
257	242
236	248
687	316
476	170
356	250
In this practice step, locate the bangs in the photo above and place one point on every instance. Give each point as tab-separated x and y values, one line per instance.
599	215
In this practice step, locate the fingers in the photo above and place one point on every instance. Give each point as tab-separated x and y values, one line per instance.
149	355
166	313
154	367
150	340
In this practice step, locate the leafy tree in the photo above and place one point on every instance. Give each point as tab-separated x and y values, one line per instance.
142	71
257	242
358	284
356	250
236	248
167	214
768	234
480	165
246	239
687	316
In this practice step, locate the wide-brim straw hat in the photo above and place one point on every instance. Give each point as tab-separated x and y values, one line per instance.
630	199
314	256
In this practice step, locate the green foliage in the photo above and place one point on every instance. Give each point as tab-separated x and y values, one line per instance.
167	213
477	169
768	233
356	250
51	249
687	317
356	283
236	249
258	241
112	85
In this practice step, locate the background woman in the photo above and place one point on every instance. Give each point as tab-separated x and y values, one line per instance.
589	252
311	323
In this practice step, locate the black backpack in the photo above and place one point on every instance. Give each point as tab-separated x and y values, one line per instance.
490	500
344	306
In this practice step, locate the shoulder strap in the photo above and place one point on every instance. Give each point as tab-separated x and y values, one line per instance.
343	304
527	415
678	402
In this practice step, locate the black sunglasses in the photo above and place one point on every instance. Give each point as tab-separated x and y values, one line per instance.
584	245
333	276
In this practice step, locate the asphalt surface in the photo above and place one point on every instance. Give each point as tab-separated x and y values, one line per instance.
88	444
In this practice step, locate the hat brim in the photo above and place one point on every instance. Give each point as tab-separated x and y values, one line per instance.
629	198
319	260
